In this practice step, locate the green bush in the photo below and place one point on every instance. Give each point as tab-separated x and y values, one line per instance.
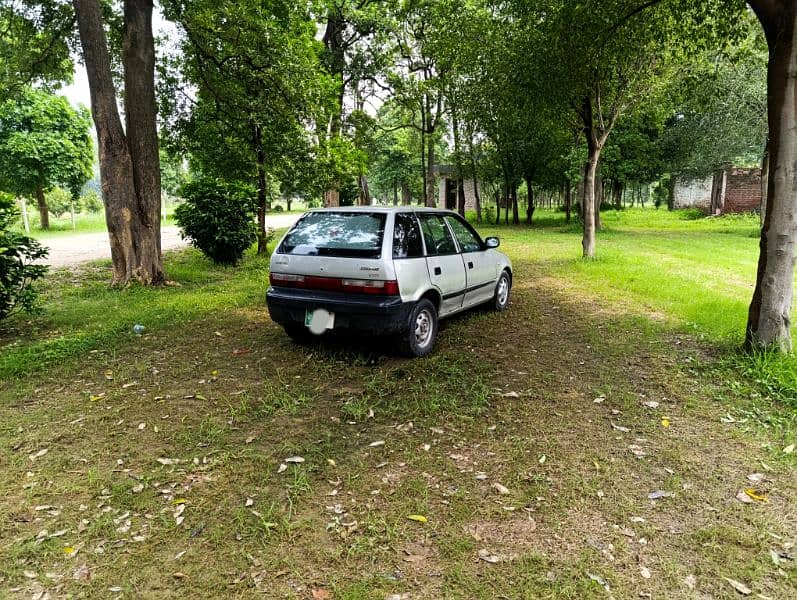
90	201
17	273
59	201
218	218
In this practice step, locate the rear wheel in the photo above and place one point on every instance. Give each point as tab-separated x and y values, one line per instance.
502	289
421	334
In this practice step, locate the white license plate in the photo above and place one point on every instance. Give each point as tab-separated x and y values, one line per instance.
319	319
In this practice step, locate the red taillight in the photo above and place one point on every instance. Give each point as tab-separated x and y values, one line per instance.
333	284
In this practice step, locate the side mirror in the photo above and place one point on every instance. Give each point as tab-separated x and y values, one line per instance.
492	242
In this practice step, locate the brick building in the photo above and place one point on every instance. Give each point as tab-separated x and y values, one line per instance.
447	189
730	190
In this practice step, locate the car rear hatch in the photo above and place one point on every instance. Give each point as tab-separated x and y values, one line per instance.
338	251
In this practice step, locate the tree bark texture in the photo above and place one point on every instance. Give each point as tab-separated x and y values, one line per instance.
262	190
764	183
406	199
529	200
431	199
44	210
769	317
129	165
364	198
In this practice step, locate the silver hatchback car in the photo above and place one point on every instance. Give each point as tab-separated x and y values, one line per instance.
383	271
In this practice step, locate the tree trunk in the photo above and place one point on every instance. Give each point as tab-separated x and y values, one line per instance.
44	210
364	199
588	201
406	199
262	189
568	200
129	165
529	200
395	193
288	202
764	183
515	208
431	199
141	110
598	202
332	198
461	196
769	317
671	193
423	164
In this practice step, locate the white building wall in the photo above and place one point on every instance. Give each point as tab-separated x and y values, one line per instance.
695	193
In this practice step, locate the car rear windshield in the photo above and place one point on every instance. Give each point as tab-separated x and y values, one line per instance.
346	234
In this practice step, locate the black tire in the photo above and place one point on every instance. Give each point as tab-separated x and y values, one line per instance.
502	292
298	333
421	334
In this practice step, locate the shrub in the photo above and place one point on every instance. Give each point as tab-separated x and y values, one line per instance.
17	273
218	218
90	201
59	201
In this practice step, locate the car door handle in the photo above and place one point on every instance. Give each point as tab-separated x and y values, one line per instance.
470	265
438	271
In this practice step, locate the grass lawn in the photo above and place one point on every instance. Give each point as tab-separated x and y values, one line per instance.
529	442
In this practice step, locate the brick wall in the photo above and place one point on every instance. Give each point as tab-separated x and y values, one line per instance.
470	195
743	191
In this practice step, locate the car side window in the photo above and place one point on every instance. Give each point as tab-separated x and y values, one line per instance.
436	235
407	241
468	240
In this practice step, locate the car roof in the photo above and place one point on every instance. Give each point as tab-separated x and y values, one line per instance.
384	209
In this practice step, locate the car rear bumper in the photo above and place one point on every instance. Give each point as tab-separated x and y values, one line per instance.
370	314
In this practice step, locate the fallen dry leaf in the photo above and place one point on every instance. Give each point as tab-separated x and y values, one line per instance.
645	572
488	556
294	460
418	518
501	489
659	494
321	594
788	449
39	454
377	443
739	586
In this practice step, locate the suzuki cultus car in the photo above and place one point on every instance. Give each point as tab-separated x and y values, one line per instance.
383	271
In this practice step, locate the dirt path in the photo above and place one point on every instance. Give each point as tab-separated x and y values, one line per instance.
71	250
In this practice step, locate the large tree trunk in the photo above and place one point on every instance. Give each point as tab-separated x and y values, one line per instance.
332	198
588	201
568	200
529	200
364	198
515	208
423	164
598	202
131	192
395	193
44	210
141	110
769	317
406	199
764	183
262	189
431	199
